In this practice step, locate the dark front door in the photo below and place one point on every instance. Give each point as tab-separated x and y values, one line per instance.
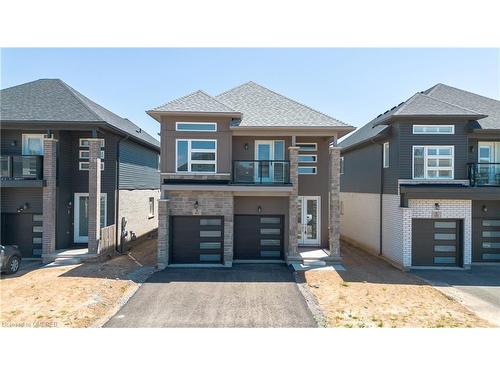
17	229
258	237
437	242
197	239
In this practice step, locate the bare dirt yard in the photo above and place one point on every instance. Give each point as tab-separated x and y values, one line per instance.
373	293
83	295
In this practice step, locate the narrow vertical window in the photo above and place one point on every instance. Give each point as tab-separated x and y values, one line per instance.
151	207
386	155
342	165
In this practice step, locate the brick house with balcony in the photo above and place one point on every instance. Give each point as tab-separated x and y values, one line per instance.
70	172
247	176
423	181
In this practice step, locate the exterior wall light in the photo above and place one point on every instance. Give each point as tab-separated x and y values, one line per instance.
196	205
246	146
484	208
436	206
259	209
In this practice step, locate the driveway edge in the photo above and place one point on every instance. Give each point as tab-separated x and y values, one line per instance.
310	298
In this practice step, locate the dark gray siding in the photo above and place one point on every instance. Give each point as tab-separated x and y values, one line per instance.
13	198
362	169
391	174
138	168
65	197
407	140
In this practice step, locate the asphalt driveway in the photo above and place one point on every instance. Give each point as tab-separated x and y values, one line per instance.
263	295
477	288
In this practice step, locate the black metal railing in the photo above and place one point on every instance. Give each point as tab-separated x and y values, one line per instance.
21	167
261	172
484	174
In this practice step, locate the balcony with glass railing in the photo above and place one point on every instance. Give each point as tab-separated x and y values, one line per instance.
21	167
261	172
484	174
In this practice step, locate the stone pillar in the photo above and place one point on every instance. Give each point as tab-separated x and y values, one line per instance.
163	227
49	196
94	210
334	204
293	227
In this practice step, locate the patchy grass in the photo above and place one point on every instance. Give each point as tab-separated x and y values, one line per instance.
372	293
71	296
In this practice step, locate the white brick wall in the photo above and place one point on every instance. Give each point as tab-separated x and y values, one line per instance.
392	228
448	209
134	206
360	219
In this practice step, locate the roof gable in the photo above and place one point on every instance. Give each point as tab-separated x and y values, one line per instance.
197	101
263	107
52	100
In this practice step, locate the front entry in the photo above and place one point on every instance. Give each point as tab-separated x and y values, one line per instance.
308	217
81	211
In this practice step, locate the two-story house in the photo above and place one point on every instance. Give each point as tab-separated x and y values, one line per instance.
73	174
246	176
420	183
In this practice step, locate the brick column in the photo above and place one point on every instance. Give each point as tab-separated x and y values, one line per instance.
94	227
334	208
163	219
293	205
49	196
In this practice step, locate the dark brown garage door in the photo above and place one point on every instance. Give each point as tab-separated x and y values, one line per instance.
197	239
486	245
258	237
437	242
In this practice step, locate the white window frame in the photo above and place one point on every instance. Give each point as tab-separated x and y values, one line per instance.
307	166
25	137
87	162
80	155
191	150
386	155
195	123
298	144
423	127
342	165
86	139
151	202
315	157
426	157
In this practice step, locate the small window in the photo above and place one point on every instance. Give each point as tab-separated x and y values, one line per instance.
491	223
84	166
33	144
307	170
444	236
307	158
305	147
85	154
196	126
341	165
433	129
84	142
210	245
151	207
276	231
210	233
386	155
210	222
270	220
445	224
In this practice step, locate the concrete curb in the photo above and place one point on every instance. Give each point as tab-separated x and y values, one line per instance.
311	301
138	277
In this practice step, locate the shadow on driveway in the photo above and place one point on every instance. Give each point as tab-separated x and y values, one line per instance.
245	295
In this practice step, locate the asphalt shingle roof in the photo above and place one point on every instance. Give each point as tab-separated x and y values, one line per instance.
439	100
197	101
263	107
52	100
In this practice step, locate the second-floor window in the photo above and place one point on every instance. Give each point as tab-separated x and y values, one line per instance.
33	144
433	129
196	155
433	162
196	126
386	155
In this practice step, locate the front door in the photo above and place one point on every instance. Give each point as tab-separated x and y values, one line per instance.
309	220
81	234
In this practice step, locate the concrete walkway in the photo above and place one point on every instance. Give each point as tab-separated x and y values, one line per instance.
263	295
478	289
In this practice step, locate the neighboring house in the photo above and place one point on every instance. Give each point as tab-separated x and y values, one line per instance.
421	182
68	164
247	175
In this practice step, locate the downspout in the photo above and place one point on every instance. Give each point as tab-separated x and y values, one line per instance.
117	196
381	195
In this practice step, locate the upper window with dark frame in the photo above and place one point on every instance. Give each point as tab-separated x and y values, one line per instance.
386	160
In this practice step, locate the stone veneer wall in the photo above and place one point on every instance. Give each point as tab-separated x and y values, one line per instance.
213	203
449	209
134	206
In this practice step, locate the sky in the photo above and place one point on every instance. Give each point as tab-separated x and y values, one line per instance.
352	85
